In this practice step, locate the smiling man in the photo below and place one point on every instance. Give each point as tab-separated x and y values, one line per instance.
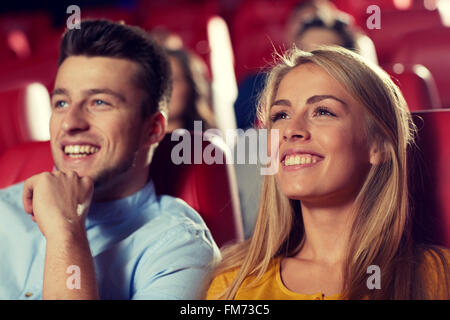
97	228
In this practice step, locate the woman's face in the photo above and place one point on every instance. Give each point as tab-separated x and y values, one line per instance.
323	150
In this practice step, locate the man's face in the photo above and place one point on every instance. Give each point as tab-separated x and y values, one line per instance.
96	127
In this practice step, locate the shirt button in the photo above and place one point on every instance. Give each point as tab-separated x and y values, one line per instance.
28	294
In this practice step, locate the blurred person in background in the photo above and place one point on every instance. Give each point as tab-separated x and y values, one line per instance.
191	98
317	32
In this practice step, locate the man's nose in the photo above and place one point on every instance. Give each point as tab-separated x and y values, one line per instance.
75	120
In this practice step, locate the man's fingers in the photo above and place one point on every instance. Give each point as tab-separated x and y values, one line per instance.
27	196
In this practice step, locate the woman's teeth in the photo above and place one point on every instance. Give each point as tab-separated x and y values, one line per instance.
297	159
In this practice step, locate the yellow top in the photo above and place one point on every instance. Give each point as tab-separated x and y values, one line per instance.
271	287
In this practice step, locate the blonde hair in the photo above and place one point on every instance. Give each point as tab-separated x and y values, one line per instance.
381	230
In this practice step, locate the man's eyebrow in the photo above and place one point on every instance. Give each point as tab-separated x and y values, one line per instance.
317	98
106	91
90	92
59	91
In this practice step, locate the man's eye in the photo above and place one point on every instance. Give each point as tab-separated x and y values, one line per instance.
322	111
99	102
278	116
60	104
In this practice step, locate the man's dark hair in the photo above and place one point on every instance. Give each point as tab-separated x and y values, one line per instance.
104	38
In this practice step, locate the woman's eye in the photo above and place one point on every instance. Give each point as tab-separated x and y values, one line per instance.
322	111
278	116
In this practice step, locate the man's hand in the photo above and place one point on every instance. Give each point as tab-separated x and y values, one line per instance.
58	202
54	200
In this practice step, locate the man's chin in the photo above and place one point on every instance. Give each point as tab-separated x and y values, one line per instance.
81	173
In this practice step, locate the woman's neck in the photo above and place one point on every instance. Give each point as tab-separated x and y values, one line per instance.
327	232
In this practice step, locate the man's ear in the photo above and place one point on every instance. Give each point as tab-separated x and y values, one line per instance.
155	128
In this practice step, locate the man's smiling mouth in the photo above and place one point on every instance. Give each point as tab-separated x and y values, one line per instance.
80	151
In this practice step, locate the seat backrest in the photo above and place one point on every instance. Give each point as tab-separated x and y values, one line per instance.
417	85
397	23
256	30
187	20
209	189
430	177
12	107
24	114
431	48
23	161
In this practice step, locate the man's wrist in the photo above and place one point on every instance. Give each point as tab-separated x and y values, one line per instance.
68	234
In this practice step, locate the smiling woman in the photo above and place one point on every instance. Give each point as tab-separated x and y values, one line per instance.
339	203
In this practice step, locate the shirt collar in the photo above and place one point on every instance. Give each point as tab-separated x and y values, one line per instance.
120	209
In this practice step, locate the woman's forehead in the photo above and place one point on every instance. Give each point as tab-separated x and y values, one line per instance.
308	80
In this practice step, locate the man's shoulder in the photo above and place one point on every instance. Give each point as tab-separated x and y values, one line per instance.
171	218
176	212
12	195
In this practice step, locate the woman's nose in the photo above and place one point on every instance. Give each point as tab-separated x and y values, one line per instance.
296	128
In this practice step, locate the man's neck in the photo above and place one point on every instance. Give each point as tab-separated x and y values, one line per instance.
121	187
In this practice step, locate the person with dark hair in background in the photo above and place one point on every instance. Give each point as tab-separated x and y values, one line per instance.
96	227
317	32
191	92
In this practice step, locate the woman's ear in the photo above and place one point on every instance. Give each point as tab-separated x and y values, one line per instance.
377	153
155	128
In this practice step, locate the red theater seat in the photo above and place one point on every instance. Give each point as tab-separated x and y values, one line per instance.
19	73
417	85
257	29
12	118
188	20
430	192
431	48
396	24
210	189
26	31
23	161
112	13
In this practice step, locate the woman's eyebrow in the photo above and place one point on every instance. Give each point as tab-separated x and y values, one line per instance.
317	98
281	102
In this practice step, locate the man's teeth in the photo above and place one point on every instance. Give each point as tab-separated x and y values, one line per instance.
78	151
297	159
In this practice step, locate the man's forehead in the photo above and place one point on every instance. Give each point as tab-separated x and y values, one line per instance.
87	73
100	67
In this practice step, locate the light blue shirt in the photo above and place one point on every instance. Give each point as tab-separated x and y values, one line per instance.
144	247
